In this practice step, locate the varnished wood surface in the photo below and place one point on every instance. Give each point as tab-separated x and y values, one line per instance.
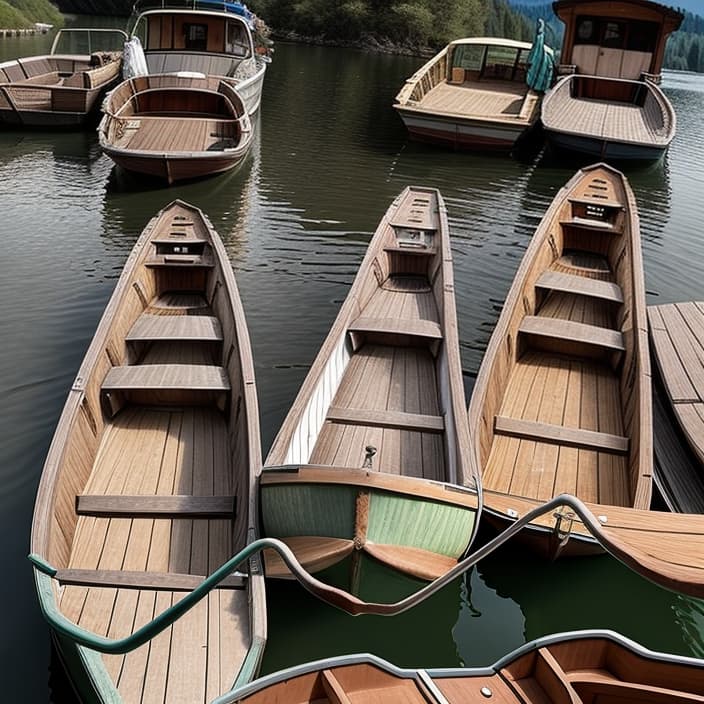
677	333
568	669
481	99
562	403
142	496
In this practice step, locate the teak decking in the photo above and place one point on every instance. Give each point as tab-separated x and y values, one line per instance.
562	401
175	127
571	668
149	485
376	419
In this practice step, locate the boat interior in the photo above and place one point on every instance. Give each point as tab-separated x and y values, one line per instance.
390	386
588	671
562	406
214	44
175	113
153	488
477	79
49	82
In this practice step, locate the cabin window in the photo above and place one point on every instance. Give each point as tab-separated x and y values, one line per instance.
196	36
237	41
586	31
613	35
468	56
642	36
500	62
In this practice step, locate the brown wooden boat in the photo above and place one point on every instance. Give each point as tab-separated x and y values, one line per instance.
175	127
373	457
562	402
58	90
588	667
608	106
677	336
150	480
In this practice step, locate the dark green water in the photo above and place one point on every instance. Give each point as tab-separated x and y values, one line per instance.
329	157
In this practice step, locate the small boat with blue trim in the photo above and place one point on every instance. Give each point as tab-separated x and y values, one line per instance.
608	104
150	483
582	667
373	457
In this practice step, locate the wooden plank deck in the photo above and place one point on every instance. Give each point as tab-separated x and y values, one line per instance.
484	99
394	379
188	134
618	122
677	333
161	452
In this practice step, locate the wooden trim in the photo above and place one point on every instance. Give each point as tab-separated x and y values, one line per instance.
142	505
570	283
409	486
574	332
397	326
387	419
333	689
125	579
189	377
561	435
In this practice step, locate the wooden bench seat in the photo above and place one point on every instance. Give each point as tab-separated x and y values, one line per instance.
581	285
190	377
204	261
158	581
387	419
568	330
561	435
177	506
598	202
591	224
185	328
398	326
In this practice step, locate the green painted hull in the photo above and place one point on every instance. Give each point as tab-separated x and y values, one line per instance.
329	510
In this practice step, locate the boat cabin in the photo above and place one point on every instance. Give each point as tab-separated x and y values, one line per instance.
622	39
188	37
487	59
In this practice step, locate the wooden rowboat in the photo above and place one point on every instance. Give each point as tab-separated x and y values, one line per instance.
59	89
572	668
562	402
150	480
373	457
175	127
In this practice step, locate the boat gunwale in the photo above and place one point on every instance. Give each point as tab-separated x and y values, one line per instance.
51	476
416	675
660	143
640	485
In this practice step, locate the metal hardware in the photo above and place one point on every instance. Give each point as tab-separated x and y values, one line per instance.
371	451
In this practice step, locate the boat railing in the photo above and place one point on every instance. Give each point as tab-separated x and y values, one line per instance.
231	7
424	79
645	564
83	40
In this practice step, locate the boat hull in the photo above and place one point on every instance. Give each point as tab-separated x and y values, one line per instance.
389	518
461	134
605	150
174	168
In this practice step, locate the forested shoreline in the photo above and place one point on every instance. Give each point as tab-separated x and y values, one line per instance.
21	14
684	50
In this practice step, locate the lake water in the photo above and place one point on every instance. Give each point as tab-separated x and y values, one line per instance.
330	155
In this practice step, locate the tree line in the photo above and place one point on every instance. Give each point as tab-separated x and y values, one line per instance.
684	50
412	23
21	14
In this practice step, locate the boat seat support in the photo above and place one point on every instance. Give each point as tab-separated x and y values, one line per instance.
387	419
159	581
561	435
183	506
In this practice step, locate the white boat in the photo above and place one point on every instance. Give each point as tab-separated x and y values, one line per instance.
472	95
209	37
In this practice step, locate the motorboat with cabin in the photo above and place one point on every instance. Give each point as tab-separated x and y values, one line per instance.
608	103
